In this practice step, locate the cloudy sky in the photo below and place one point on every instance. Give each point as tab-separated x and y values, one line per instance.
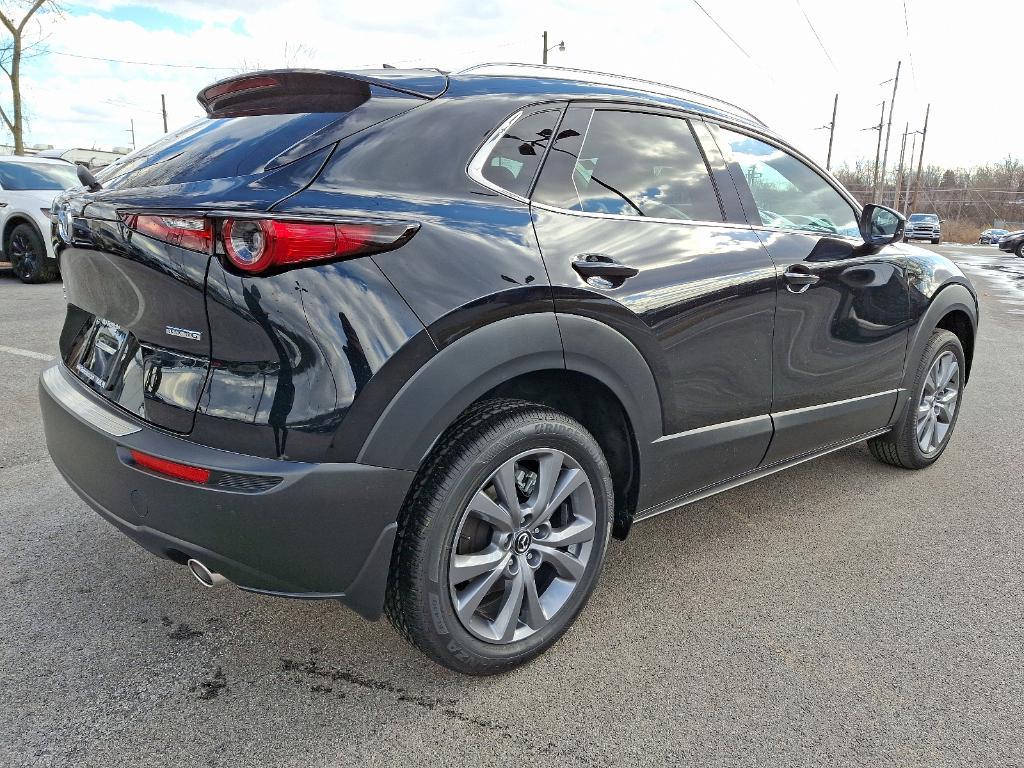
782	59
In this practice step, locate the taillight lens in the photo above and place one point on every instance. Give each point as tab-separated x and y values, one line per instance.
261	245
169	468
192	232
258	245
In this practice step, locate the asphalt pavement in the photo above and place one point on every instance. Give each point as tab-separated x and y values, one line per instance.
840	613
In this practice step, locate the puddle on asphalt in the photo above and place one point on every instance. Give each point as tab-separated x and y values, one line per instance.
1003	272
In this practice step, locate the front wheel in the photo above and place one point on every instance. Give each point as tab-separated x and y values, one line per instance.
27	254
924	430
936	240
503	537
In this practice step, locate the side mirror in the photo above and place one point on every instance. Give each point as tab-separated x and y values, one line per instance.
880	225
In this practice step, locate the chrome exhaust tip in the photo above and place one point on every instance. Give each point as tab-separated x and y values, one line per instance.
204	575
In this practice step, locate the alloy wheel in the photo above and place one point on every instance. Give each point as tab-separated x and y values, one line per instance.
939	400
23	255
522	546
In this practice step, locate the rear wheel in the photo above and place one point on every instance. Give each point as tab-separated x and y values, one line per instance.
924	430
503	538
1020	249
27	254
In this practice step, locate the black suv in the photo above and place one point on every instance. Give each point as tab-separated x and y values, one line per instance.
422	343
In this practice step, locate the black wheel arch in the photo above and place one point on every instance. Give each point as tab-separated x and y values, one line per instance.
954	308
558	360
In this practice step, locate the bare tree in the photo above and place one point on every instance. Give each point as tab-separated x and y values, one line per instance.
11	53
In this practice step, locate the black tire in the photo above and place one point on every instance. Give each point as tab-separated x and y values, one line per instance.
1020	249
419	598
27	253
900	447
936	240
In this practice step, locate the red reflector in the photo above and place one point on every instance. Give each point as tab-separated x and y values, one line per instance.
170	468
192	232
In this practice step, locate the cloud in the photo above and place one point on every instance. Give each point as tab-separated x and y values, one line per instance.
782	74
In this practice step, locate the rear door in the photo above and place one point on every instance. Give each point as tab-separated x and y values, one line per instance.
632	230
843	314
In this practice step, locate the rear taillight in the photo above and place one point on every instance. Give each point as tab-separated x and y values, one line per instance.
192	232
262	245
169	468
259	245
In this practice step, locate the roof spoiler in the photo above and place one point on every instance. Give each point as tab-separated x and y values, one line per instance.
287	91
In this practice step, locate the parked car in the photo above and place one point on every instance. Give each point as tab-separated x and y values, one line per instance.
924	226
1012	242
991	236
422	343
27	188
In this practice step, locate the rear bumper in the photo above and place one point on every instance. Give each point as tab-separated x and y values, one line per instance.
1009	246
322	531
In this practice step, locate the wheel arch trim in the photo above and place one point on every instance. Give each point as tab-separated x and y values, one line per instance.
467	369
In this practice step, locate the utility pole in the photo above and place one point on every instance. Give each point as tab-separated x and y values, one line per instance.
910	173
899	172
878	153
892	105
163	110
920	159
831	133
132	129
559	45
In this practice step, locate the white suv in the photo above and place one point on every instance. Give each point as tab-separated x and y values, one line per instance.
27	188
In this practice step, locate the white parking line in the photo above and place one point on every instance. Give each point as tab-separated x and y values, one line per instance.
26	353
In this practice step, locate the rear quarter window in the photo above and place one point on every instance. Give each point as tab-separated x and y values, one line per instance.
512	162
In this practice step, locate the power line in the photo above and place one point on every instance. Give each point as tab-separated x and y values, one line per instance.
910	48
817	36
723	31
139	63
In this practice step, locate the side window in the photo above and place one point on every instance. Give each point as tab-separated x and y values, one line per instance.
513	161
628	164
787	192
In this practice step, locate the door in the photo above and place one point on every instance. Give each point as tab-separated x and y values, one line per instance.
632	231
843	315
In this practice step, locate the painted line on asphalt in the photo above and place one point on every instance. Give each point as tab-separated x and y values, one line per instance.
26	353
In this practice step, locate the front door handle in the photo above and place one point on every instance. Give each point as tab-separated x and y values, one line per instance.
598	265
799	278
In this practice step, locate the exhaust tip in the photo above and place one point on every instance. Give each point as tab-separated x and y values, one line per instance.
204	575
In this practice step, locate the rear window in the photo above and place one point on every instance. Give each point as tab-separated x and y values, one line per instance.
218	148
19	176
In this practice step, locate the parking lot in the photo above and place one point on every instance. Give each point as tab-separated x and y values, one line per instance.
842	612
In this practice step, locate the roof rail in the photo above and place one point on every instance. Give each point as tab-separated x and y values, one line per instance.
603	78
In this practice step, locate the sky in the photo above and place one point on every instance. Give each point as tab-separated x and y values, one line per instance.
782	59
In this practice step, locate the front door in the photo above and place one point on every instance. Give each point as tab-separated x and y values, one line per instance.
841	327
632	231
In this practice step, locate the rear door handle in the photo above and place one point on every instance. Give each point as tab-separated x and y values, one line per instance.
799	278
598	265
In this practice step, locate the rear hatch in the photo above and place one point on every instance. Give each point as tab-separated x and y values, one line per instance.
137	330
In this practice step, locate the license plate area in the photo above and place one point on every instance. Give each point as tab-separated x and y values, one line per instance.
103	354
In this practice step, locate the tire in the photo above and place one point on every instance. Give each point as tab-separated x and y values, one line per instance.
27	254
1020	249
902	447
936	240
440	531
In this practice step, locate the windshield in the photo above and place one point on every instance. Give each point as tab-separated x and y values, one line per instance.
19	176
924	217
